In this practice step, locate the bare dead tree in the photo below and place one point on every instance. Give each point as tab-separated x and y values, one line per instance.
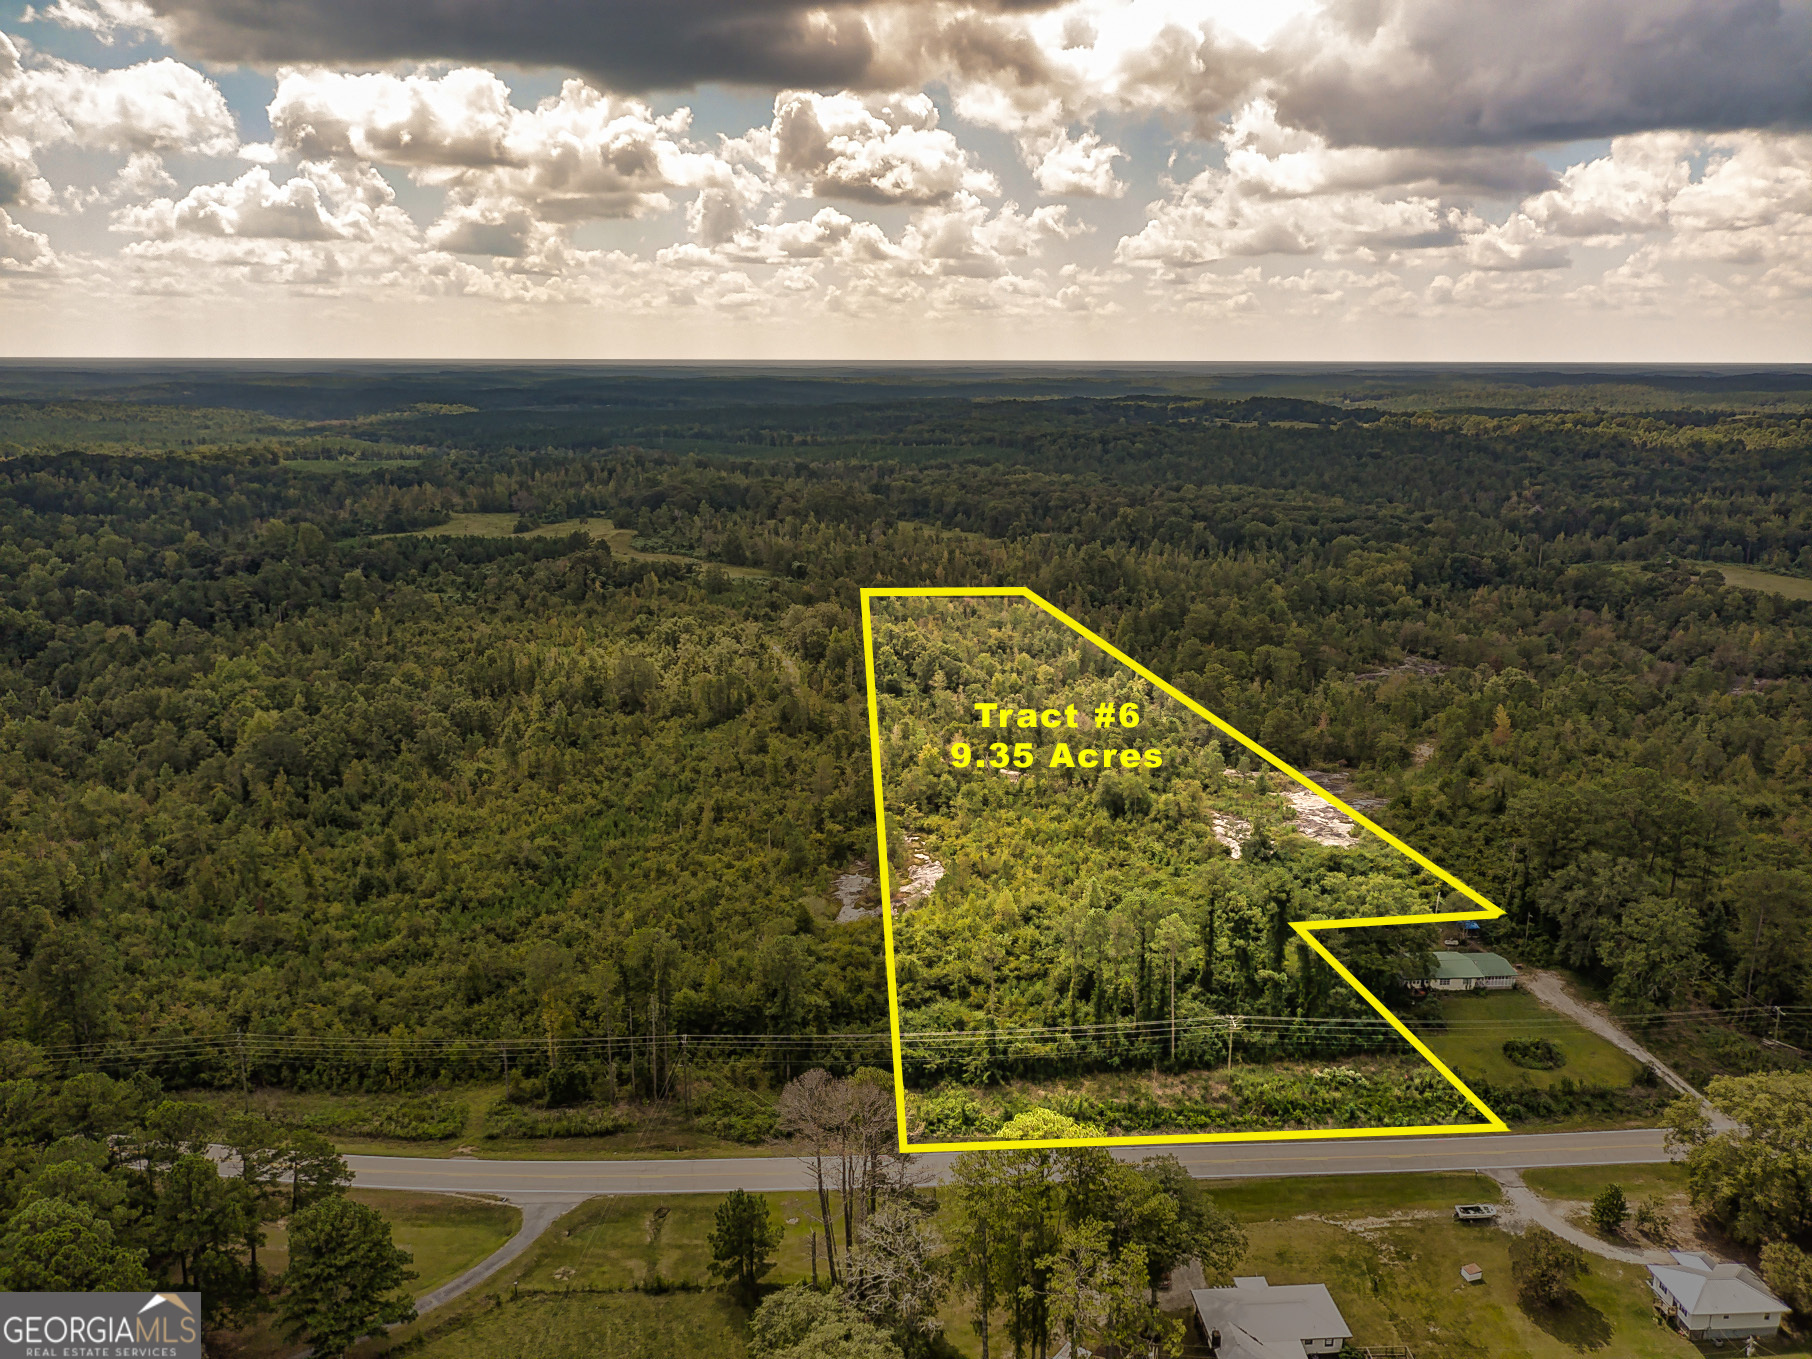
811	1108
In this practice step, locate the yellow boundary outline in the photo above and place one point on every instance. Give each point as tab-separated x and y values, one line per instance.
1305	929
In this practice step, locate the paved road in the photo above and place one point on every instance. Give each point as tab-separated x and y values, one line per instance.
523	1181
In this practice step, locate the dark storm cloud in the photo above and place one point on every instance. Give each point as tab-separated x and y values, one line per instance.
1388	73
624	45
1506	72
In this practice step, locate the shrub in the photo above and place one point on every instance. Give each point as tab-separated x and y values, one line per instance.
1538	1054
1610	1209
423	1118
566	1086
736	1114
1544	1267
504	1119
951	1109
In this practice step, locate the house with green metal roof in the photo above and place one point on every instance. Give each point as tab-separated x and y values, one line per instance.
1465	972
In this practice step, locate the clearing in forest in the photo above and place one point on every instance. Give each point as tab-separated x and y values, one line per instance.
1112	918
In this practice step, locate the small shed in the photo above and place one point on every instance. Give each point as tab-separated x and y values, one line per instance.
1471	1274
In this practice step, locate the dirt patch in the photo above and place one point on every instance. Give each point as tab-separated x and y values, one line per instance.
1231	831
1341	785
1377	1230
856	897
923	874
1318	820
1409	665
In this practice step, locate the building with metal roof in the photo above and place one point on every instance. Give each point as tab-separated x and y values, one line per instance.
1255	1319
1713	1301
1465	972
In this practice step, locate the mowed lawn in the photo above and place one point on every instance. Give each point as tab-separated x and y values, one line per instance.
1386	1246
1586	1182
628	1242
1397	1282
599	1326
445	1233
1479	1022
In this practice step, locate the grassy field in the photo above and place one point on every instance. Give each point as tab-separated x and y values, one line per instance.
1584	1182
1397	1282
446	1234
477	525
1748	578
597	1326
657	1131
1385	1245
620	1243
1478	1024
1291	1197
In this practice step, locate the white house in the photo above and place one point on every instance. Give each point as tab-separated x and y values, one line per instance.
1466	972
1712	1301
1256	1320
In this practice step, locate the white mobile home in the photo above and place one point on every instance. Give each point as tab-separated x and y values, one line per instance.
1712	1301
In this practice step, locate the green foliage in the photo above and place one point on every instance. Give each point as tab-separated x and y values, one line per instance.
344	1277
1788	1271
802	1323
1027	1217
738	1115
387	803
743	1242
1650	1218
54	1246
1544	1267
506	1120
424	1118
1754	1179
1610	1210
951	1111
1538	1054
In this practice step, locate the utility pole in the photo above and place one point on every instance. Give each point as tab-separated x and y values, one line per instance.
245	1087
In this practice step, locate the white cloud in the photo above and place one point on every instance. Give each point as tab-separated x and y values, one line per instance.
1626	192
158	105
251	206
104	19
20	248
882	149
576	156
142	176
1286	192
1081	167
1515	245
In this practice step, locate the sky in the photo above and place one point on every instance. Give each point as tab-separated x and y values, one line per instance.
1078	180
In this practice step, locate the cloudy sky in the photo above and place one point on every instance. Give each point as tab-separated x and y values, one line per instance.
1020	179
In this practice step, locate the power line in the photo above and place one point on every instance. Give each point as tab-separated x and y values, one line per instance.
249	1045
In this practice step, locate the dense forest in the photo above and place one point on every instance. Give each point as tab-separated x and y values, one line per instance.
299	791
1089	917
